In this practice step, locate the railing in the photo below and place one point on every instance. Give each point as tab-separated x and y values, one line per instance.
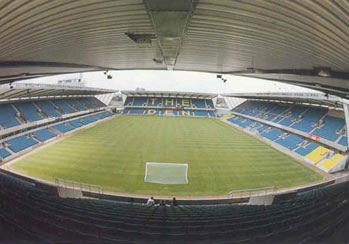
272	190
78	186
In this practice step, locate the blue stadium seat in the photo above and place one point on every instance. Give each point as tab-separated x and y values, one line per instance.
154	101
87	102
8	116
290	142
199	103
64	106
43	134
48	108
63	127
66	220
140	101
4	153
20	143
330	128
28	111
310	117
75	104
303	151
294	113
273	134
201	113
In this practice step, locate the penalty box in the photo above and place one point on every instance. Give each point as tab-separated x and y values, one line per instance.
166	173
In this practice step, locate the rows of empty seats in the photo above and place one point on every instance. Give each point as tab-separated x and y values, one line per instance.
166	102
45	218
312	120
20	143
17	113
315	154
169	112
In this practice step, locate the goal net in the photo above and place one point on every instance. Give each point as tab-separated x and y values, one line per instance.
166	173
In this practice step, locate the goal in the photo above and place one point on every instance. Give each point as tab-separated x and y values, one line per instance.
166	173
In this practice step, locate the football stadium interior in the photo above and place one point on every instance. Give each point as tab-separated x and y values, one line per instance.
164	166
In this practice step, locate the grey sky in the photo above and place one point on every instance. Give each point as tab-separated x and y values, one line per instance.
176	81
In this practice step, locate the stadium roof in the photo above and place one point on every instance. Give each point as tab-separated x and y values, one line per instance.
275	39
307	98
169	94
19	91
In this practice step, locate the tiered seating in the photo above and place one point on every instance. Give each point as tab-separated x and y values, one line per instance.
75	104
272	134
318	154
64	106
330	128
277	110
310	117
48	108
28	111
4	153
76	123
140	101
96	102
199	103
154	101
63	127
62	220
290	141
201	113
209	103
304	150
291	115
43	135
87	103
8	116
20	143
312	120
328	164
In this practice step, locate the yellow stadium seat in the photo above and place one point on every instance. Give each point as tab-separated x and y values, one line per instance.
317	155
330	163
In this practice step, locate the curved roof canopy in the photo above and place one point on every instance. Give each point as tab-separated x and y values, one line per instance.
288	40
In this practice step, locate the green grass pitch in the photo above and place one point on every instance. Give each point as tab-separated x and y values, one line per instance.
112	154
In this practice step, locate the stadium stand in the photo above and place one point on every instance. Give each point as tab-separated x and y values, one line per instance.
320	156
4	153
28	111
43	134
31	112
63	106
306	149
8	117
330	127
47	107
20	143
314	120
75	104
43	217
170	106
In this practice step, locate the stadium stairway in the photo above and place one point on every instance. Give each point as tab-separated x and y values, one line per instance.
49	218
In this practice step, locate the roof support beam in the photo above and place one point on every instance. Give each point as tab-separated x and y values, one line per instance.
170	20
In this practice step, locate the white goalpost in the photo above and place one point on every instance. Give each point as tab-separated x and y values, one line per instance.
166	173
